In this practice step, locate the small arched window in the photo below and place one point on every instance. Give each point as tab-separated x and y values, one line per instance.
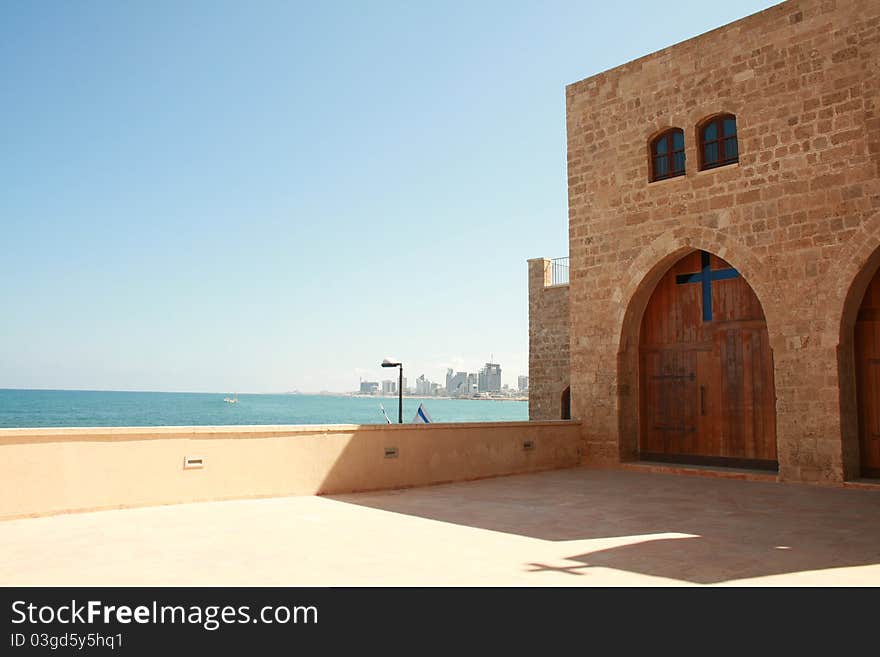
667	155
718	145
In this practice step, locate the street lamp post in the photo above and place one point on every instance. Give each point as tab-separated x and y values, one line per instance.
388	363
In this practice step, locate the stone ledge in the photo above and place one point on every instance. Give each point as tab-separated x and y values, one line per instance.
863	484
249	431
700	471
735	473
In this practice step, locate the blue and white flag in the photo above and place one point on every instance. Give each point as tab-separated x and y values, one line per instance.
422	416
387	419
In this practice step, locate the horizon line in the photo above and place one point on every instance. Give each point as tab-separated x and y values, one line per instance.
214	392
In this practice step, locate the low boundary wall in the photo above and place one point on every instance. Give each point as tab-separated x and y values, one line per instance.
47	471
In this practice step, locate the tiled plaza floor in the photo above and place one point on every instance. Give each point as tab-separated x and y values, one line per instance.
578	527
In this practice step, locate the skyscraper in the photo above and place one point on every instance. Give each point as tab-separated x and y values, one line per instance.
456	384
423	386
490	378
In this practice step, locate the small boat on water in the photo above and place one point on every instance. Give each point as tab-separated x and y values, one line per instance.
231	400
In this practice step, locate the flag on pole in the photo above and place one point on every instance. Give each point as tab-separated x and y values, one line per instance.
387	419
422	416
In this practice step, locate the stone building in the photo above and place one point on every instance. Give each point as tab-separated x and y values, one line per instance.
723	303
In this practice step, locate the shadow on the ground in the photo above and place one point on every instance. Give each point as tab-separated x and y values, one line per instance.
737	529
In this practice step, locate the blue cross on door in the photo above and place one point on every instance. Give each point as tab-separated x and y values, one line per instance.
705	277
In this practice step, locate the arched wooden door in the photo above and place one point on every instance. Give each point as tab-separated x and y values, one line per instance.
867	351
706	372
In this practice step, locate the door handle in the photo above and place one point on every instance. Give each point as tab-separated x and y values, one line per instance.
702	400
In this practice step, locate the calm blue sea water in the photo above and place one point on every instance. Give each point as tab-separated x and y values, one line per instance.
82	408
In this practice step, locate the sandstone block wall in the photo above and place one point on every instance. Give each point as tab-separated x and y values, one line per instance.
548	342
799	216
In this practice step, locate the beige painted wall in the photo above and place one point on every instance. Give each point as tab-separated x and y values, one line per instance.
45	471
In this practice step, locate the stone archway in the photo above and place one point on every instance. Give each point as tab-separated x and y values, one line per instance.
633	294
859	273
706	392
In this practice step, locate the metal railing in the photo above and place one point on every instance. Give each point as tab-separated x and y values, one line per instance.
559	271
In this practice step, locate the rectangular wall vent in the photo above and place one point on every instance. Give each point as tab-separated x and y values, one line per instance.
193	462
528	445
390	452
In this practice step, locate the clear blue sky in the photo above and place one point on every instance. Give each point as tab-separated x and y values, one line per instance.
267	196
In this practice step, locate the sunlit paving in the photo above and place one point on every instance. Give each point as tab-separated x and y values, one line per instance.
573	527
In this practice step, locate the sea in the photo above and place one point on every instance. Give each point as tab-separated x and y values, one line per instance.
91	408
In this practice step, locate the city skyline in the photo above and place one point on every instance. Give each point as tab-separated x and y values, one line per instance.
487	378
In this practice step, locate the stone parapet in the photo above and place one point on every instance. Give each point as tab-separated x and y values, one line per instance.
46	471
